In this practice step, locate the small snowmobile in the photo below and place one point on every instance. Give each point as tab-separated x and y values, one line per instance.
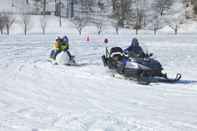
143	69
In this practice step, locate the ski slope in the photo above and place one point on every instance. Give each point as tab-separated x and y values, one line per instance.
38	96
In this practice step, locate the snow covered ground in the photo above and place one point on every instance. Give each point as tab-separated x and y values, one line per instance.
38	96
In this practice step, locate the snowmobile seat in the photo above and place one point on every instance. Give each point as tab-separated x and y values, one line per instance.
116	53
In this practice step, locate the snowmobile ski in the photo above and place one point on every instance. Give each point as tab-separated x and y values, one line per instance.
170	80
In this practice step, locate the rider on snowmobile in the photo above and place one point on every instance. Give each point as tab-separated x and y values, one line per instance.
135	50
65	46
60	44
56	48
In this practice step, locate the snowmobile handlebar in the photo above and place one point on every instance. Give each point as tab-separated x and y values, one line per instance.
151	54
106	51
148	55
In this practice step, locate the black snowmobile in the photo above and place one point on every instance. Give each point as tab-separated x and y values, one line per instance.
143	68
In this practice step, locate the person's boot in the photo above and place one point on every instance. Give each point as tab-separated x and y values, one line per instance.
56	52
52	56
69	54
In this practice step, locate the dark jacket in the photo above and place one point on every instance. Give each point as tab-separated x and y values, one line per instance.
135	50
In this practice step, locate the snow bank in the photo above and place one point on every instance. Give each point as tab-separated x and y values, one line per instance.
36	95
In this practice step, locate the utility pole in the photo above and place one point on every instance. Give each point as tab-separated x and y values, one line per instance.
67	8
60	13
44	7
72	8
12	3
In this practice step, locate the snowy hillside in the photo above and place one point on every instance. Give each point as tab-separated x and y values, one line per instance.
38	96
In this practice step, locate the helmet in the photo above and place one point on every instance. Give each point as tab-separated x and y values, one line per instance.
135	42
57	38
65	39
106	40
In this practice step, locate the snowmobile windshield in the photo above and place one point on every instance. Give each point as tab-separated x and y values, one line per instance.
140	52
144	47
146	50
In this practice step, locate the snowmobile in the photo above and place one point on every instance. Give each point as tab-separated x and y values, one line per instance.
63	59
142	69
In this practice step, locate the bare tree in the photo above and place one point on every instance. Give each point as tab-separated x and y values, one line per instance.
86	5
6	21
80	23
162	6
72	8
114	5
26	23
129	14
116	25
138	20
58	10
44	7
188	9
27	1
195	7
156	23
99	25
10	21
37	6
99	15
136	16
43	23
175	23
175	27
84	16
2	22
137	27
40	6
121	10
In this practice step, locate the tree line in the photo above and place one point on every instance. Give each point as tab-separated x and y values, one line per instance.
132	14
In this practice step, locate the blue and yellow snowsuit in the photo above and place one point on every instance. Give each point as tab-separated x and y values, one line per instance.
57	47
64	46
